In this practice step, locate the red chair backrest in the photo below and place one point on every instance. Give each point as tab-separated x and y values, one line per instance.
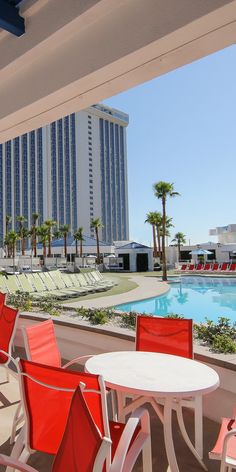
41	344
8	318
47	409
199	266
164	335
232	267
224	266
183	267
2	300
81	439
207	266
191	267
215	267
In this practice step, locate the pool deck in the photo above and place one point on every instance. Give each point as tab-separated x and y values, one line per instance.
147	287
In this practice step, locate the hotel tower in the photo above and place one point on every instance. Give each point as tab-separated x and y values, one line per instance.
71	171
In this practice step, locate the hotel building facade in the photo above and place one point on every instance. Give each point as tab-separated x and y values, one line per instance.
71	171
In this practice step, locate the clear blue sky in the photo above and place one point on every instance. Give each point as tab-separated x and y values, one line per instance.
183	130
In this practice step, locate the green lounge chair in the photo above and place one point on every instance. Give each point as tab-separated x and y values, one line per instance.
69	284
85	282
3	287
11	284
25	284
77	283
42	279
60	284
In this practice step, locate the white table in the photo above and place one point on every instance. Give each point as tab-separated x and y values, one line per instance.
156	375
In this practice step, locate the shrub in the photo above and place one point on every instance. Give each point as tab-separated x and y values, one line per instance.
174	315
220	336
94	316
20	300
223	343
128	320
49	305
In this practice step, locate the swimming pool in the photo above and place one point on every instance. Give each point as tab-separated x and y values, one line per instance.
192	297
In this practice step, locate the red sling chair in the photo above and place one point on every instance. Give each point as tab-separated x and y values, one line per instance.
8	321
169	336
225	447
41	346
47	400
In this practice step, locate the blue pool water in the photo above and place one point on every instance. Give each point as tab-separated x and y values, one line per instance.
193	297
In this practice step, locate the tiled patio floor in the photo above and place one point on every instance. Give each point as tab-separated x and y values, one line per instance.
9	396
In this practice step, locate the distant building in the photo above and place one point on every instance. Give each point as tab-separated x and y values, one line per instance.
71	171
225	234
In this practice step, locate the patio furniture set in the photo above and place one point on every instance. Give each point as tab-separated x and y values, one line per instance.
60	285
64	412
203	268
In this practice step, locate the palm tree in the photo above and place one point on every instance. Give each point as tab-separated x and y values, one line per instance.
57	234
25	233
97	224
163	190
10	240
42	232
8	221
65	230
35	217
179	240
152	221
49	225
21	232
78	236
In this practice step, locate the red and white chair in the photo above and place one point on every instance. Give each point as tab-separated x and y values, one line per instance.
169	336
8	323
74	426
225	447
41	346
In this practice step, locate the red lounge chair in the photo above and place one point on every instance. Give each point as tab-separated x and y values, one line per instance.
191	267
215	267
224	266
199	267
73	425
232	267
171	336
184	267
207	266
225	447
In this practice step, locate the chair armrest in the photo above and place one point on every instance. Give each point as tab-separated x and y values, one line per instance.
76	360
140	415
7	461
227	437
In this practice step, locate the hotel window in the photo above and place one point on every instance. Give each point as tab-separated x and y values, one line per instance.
90	160
91	192
89	127
90	154
90	149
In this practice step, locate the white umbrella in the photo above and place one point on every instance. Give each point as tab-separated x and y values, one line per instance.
200	252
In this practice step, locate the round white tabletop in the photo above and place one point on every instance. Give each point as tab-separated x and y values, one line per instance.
153	374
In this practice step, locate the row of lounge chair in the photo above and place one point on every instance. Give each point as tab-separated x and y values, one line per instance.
59	285
224	267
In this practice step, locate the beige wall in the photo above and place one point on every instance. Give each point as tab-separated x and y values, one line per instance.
77	53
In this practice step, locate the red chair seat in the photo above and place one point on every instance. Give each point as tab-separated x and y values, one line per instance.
226	425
